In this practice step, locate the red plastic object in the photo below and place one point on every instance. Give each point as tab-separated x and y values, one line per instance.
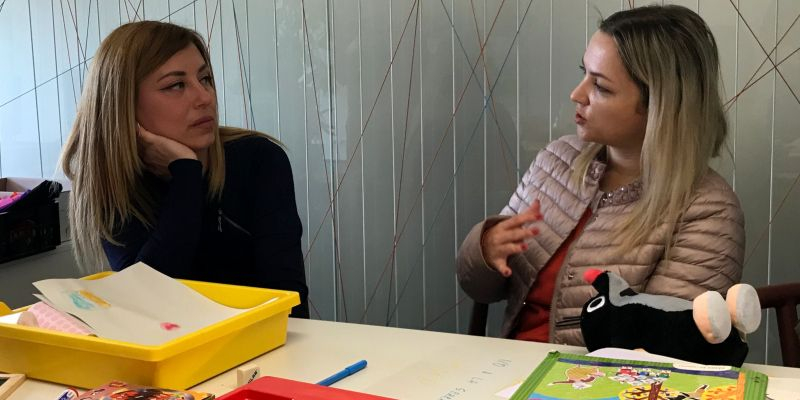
272	388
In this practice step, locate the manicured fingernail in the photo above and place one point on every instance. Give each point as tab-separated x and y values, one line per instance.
524	246
535	231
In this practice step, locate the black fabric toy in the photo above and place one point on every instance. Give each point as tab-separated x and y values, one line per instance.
697	331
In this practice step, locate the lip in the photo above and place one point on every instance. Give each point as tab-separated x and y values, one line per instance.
579	119
202	122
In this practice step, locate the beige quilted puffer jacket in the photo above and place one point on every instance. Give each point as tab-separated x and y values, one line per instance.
707	247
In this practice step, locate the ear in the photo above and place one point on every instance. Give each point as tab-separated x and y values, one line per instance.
744	307
710	313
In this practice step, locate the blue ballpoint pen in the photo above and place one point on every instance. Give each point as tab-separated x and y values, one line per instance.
343	373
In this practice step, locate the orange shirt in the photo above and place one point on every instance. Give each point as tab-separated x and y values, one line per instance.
534	319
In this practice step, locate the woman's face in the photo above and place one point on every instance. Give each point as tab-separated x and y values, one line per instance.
608	102
178	101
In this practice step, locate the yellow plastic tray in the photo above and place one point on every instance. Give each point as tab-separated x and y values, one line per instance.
85	361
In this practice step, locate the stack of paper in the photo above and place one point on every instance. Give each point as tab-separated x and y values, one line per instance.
136	305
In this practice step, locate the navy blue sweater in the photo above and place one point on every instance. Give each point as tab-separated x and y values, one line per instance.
251	237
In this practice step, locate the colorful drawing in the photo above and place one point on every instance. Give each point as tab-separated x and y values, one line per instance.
87	300
649	392
657	391
636	377
80	302
592	378
580	377
729	392
168	326
94	298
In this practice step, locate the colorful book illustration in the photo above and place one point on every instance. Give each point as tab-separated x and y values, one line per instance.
569	376
117	390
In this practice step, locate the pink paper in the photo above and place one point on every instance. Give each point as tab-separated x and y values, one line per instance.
49	318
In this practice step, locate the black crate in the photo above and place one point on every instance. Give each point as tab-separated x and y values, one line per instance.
29	230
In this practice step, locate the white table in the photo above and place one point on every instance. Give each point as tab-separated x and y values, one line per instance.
403	363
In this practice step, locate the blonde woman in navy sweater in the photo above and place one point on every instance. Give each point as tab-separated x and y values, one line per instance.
156	179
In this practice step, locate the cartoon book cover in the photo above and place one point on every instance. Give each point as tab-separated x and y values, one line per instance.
569	376
117	390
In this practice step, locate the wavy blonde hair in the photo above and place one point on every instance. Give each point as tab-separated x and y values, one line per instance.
101	156
671	54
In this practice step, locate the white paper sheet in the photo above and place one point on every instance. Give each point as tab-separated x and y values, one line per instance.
10	318
626	354
136	305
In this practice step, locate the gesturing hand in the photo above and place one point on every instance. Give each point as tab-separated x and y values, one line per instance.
508	238
158	151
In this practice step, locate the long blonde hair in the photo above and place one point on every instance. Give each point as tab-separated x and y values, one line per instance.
101	156
671	54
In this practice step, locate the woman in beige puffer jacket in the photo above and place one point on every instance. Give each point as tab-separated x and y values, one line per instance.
649	118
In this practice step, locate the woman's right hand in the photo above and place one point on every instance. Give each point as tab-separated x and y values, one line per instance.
508	238
159	151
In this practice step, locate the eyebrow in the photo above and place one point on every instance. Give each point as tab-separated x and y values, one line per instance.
594	73
180	73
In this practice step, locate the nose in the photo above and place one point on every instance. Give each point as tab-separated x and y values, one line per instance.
204	95
579	94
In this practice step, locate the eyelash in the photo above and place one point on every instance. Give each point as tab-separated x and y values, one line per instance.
599	88
180	85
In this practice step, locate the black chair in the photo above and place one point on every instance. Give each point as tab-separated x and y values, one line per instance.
477	319
784	298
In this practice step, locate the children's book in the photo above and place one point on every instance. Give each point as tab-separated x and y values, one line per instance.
570	376
117	390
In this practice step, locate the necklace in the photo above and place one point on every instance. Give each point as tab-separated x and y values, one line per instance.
623	195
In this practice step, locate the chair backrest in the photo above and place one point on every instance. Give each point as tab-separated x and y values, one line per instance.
477	319
784	298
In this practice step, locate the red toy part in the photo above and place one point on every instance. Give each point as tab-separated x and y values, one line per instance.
591	274
272	388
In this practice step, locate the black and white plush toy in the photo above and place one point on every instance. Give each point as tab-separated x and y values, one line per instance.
696	331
